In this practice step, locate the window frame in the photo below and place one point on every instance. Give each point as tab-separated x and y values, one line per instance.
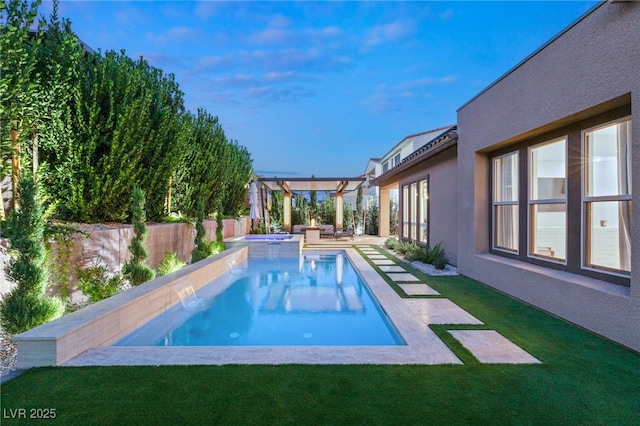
548	201
405	211
585	200
423	185
495	203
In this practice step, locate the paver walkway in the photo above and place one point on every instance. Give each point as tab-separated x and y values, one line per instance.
487	346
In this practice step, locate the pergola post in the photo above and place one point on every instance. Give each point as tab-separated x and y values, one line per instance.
384	212
286	217
339	211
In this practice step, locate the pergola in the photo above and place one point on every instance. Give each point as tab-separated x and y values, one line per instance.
288	186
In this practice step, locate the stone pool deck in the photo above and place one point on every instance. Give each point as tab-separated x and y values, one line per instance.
411	317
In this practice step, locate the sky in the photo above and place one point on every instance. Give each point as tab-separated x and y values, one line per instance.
319	88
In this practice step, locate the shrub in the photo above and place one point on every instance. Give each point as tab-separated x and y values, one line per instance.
26	306
440	262
96	284
216	247
170	263
391	243
201	249
136	271
24	311
415	252
219	224
405	247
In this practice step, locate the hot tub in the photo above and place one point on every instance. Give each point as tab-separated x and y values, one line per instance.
269	245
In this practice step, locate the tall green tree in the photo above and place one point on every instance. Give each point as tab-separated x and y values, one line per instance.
26	306
200	176
237	174
21	97
126	121
277	209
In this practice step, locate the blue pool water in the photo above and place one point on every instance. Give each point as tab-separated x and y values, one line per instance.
315	300
268	237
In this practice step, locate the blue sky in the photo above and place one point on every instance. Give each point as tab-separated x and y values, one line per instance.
318	88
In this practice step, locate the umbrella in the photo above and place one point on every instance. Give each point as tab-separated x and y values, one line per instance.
253	202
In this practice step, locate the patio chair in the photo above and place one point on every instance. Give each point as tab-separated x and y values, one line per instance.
347	233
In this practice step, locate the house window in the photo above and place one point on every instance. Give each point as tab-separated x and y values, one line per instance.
423	190
606	197
405	211
414	211
385	167
396	160
548	200
505	202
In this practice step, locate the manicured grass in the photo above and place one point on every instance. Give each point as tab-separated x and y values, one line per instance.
583	380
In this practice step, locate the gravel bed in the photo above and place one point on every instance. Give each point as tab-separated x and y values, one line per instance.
432	270
8	354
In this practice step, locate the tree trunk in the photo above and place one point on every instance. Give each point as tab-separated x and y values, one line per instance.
34	139
15	164
169	198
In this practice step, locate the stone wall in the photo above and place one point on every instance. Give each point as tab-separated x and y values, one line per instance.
110	245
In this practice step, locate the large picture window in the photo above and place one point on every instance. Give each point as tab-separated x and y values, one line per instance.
414	211
548	200
563	199
415	200
505	202
606	197
405	211
423	190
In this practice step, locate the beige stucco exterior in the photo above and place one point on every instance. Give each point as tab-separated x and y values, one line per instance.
591	68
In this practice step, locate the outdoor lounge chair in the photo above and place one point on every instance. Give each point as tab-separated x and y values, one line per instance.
347	233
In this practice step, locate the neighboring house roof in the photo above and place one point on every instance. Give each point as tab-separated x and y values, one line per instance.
443	141
429	135
371	166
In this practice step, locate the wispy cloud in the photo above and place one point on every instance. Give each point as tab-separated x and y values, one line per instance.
390	32
399	97
274	60
174	35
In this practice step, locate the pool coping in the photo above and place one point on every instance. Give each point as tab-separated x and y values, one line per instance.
105	322
422	346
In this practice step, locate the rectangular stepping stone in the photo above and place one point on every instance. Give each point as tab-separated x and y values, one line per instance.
440	311
377	256
392	268
490	347
418	290
383	262
402	277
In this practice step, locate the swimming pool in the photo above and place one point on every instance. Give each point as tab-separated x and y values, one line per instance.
313	300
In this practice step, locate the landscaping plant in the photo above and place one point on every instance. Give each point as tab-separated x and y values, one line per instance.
135	270
219	225
95	282
26	306
202	248
170	263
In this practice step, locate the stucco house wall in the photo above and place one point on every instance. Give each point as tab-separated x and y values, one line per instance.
590	68
441	171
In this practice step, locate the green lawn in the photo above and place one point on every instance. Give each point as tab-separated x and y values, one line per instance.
583	380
